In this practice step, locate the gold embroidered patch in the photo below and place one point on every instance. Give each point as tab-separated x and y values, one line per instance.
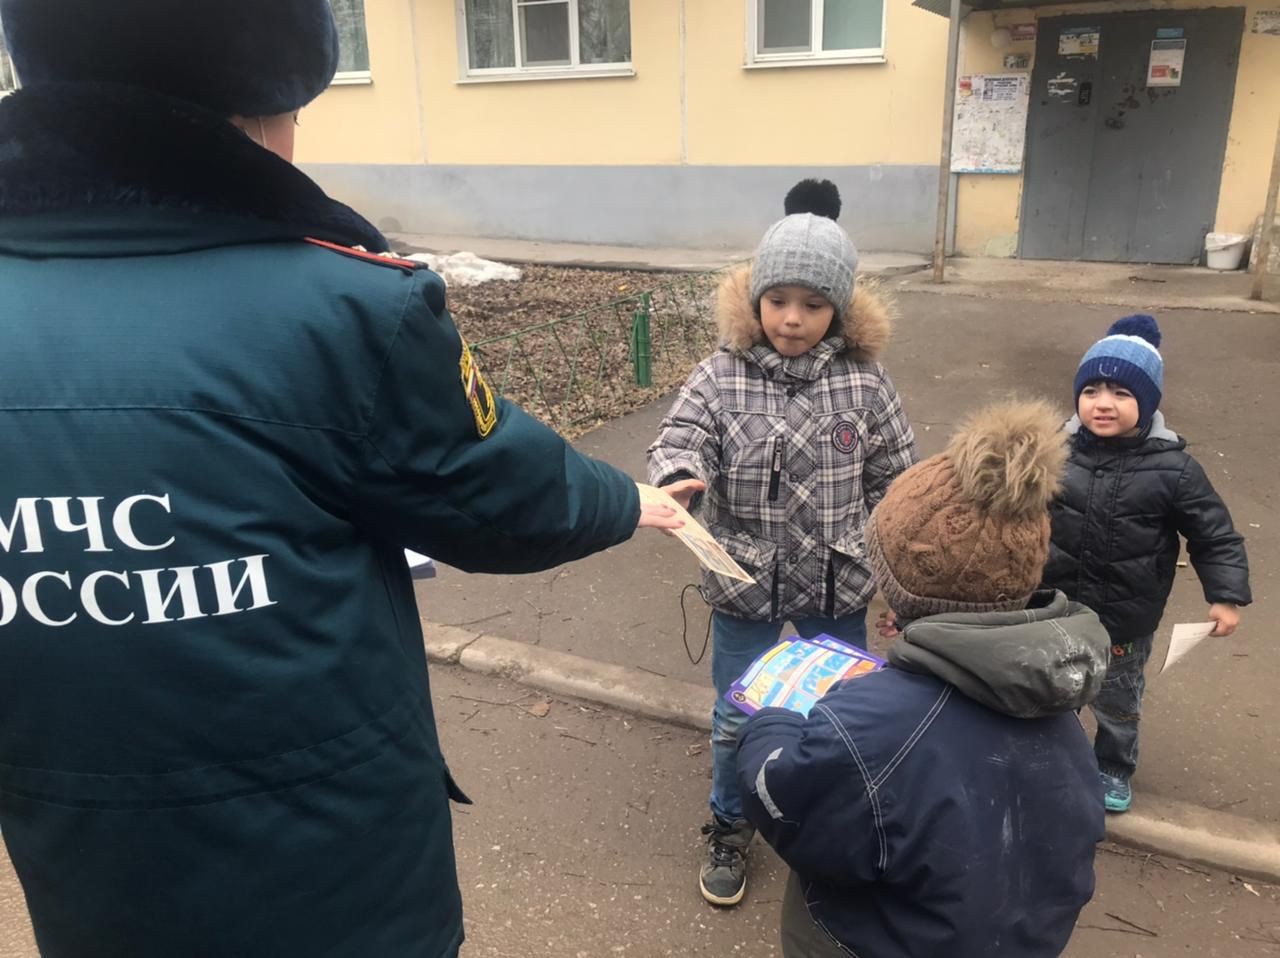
478	393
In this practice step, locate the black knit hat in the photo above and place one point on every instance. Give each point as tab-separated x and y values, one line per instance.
246	57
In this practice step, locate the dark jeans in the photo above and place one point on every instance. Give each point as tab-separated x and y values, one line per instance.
801	937
1118	708
735	644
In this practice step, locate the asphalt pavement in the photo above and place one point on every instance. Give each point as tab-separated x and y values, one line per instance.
1208	724
584	842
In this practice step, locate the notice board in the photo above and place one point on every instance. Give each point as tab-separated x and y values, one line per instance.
990	131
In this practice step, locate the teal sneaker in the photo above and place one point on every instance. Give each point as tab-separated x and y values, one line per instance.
1117	795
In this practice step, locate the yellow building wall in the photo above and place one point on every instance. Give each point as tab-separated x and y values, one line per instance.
378	122
842	114
1255	116
847	114
988	207
587	120
706	107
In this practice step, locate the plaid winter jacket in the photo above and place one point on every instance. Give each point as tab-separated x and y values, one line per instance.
795	452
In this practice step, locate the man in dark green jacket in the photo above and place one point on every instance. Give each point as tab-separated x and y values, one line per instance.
221	427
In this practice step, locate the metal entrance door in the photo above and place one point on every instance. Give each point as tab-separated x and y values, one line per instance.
1127	133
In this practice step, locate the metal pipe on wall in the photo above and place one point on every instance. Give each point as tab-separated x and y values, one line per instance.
944	166
1268	224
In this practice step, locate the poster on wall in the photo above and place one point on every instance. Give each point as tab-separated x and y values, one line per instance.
1165	66
990	131
1267	22
1017	61
1079	42
1062	87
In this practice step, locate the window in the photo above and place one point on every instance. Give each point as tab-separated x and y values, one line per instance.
8	79
821	31
353	41
541	37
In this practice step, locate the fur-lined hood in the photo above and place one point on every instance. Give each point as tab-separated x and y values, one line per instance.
865	328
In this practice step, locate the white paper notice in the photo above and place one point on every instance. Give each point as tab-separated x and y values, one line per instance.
420	567
1186	636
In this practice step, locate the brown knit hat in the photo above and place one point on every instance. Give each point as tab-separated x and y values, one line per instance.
968	530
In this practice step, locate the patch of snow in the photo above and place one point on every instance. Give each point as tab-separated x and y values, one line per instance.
467	269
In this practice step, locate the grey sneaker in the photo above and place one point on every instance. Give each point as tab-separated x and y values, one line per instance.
723	878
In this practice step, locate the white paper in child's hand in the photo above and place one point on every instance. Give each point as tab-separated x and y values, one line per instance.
1186	636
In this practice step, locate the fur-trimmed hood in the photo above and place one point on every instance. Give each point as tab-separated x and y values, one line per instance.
865	328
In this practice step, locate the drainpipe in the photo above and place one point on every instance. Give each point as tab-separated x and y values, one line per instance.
1268	224
944	167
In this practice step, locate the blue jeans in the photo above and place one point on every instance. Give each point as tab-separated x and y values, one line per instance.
1118	708
736	643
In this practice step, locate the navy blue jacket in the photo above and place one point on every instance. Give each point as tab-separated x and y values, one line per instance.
216	733
1124	504
926	825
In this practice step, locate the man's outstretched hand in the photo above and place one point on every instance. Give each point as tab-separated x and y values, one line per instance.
654	516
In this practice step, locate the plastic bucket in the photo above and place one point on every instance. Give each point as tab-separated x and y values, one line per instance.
1224	251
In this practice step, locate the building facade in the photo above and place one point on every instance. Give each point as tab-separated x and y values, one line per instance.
682	123
684	140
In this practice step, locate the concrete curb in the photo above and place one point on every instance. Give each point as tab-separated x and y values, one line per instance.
1162	826
640	693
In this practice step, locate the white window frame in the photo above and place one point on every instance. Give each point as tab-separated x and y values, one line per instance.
570	71
13	74
815	55
357	77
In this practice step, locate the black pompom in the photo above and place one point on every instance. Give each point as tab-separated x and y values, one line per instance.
1140	324
819	197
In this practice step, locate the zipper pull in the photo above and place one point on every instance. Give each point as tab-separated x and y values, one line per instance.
775	475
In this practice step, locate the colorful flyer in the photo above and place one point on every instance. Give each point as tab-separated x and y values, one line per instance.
1079	42
1166	63
797	672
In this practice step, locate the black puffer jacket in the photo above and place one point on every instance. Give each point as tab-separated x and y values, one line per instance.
1116	525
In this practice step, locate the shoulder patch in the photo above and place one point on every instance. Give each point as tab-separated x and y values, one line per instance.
362	254
478	393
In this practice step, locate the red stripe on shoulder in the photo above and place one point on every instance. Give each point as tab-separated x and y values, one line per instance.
392	261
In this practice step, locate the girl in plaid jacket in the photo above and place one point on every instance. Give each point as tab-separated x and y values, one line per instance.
794	431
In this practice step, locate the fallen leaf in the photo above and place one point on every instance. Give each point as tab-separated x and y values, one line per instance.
539	709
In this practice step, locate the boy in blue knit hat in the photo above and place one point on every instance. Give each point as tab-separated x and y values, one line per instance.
1130	490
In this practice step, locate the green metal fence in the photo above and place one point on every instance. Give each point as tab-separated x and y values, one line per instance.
583	369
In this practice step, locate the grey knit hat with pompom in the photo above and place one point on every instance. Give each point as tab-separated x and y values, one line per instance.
808	248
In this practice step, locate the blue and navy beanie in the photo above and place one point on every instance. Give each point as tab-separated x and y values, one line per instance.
246	57
1128	355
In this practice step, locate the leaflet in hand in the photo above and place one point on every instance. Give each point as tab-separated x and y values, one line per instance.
700	542
420	567
797	672
1186	636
